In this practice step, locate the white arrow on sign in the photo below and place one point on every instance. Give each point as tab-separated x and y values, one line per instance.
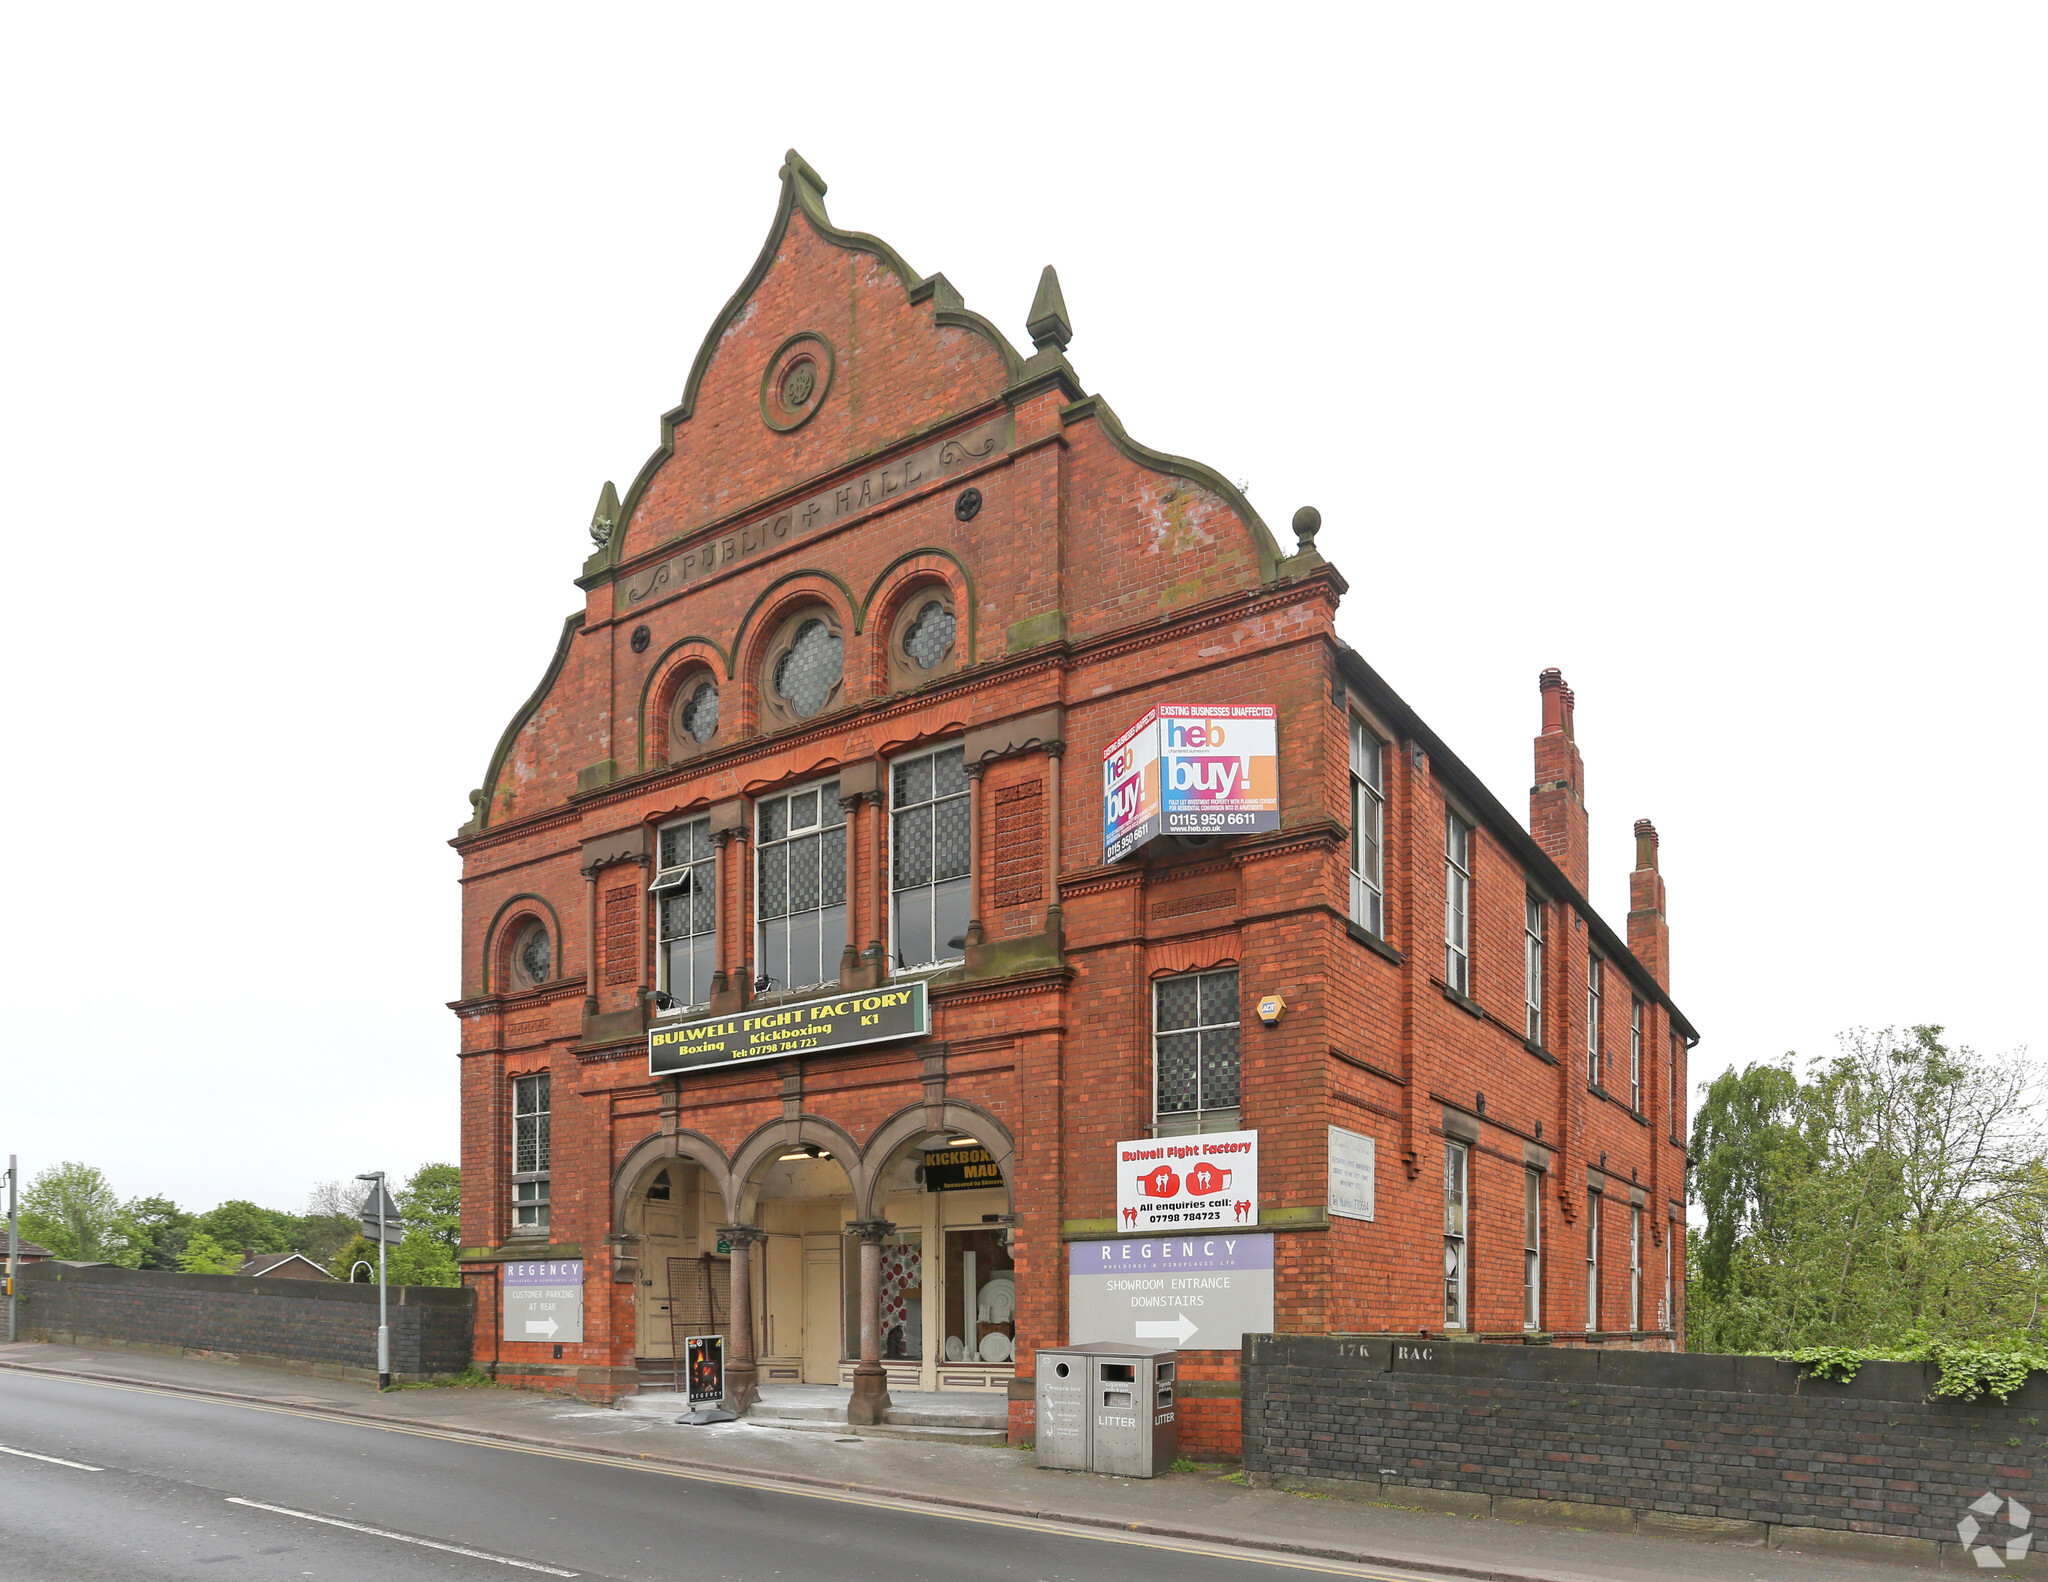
1178	1330
547	1328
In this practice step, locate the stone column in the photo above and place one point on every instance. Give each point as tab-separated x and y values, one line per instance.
849	959
1055	932
590	1005
741	1391
870	1379
974	774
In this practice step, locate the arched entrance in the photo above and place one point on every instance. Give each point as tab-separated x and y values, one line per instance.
800	1193
683	1281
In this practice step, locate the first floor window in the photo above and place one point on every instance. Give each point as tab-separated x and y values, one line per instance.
1635	1267
800	886
1194	1052
928	844
1455	1164
530	1152
1368	807
1671	1100
1635	1055
1593	988
1457	903
1592	1260
1532	1249
1532	966
686	913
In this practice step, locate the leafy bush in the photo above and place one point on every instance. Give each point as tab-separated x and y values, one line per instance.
204	1255
1968	1372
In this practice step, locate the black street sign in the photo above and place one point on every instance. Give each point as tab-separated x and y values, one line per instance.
393	1230
845	1021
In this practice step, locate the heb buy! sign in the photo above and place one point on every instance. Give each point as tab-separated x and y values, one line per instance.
1188	1183
1191	770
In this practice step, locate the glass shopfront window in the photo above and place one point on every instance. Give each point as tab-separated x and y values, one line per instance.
902	1299
981	1297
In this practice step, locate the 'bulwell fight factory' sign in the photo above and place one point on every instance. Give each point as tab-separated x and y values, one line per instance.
865	1016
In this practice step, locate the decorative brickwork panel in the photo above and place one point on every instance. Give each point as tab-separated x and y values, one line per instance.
1020	843
621	936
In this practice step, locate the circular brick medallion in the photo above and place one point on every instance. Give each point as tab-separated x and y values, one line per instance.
796	381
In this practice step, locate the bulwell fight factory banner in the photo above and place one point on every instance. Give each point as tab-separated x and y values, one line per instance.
1188	1183
845	1021
1197	770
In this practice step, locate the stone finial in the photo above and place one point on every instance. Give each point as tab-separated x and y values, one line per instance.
1308	522
794	164
605	519
1646	844
1048	325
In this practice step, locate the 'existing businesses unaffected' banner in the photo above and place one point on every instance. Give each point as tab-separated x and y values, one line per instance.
845	1021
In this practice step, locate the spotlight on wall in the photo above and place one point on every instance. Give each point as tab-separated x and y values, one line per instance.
761	983
964	1142
663	1000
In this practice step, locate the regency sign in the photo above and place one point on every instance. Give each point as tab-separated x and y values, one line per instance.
846	1021
821	510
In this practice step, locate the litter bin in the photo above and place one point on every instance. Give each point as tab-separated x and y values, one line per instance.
1125	1422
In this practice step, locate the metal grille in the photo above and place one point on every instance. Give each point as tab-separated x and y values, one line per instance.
1194	1044
929	836
930	636
699	716
806	675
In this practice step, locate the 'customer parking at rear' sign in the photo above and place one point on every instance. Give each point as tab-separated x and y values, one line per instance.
543	1301
1191	770
1210	1182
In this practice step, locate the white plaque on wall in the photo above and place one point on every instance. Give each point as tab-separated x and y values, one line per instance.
1351	1174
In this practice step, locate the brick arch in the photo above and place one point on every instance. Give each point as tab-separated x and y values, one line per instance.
658	691
495	967
761	1148
898	585
764	620
913	1125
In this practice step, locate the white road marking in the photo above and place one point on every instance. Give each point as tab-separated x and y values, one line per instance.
404	1538
57	1460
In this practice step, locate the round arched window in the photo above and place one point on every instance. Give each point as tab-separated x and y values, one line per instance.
697	712
533	956
810	669
929	637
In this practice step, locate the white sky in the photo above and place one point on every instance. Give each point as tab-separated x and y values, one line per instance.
1699	353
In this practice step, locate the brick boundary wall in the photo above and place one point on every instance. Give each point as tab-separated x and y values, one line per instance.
1719	1447
322	1327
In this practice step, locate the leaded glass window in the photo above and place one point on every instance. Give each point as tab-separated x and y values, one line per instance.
929	637
812	666
697	713
1194	1051
531	1150
536	955
686	913
928	856
800	885
1367	815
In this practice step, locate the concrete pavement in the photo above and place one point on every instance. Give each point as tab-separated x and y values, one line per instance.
951	1482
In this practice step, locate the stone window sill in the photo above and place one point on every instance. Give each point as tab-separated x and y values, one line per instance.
1373	942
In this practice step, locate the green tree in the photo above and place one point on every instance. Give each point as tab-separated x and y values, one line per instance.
160	1227
72	1209
204	1255
357	1247
431	1199
241	1225
421	1259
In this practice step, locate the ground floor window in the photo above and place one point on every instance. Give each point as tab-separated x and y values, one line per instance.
1532	1249
981	1296
1454	1235
902	1298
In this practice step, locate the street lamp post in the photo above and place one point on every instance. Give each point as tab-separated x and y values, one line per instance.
13	1249
383	1325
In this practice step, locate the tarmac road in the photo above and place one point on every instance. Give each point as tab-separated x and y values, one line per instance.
130	1483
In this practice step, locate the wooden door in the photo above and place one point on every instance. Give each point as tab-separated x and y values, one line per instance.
662	1239
782	1305
821	1310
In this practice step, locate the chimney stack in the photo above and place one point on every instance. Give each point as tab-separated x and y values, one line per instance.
1557	801
1649	935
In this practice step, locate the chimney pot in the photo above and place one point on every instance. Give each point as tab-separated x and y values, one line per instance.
1646	844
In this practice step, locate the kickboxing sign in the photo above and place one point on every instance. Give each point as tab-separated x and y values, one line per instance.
1201	770
1187	1183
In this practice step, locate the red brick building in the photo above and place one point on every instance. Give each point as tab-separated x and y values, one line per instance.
827	730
